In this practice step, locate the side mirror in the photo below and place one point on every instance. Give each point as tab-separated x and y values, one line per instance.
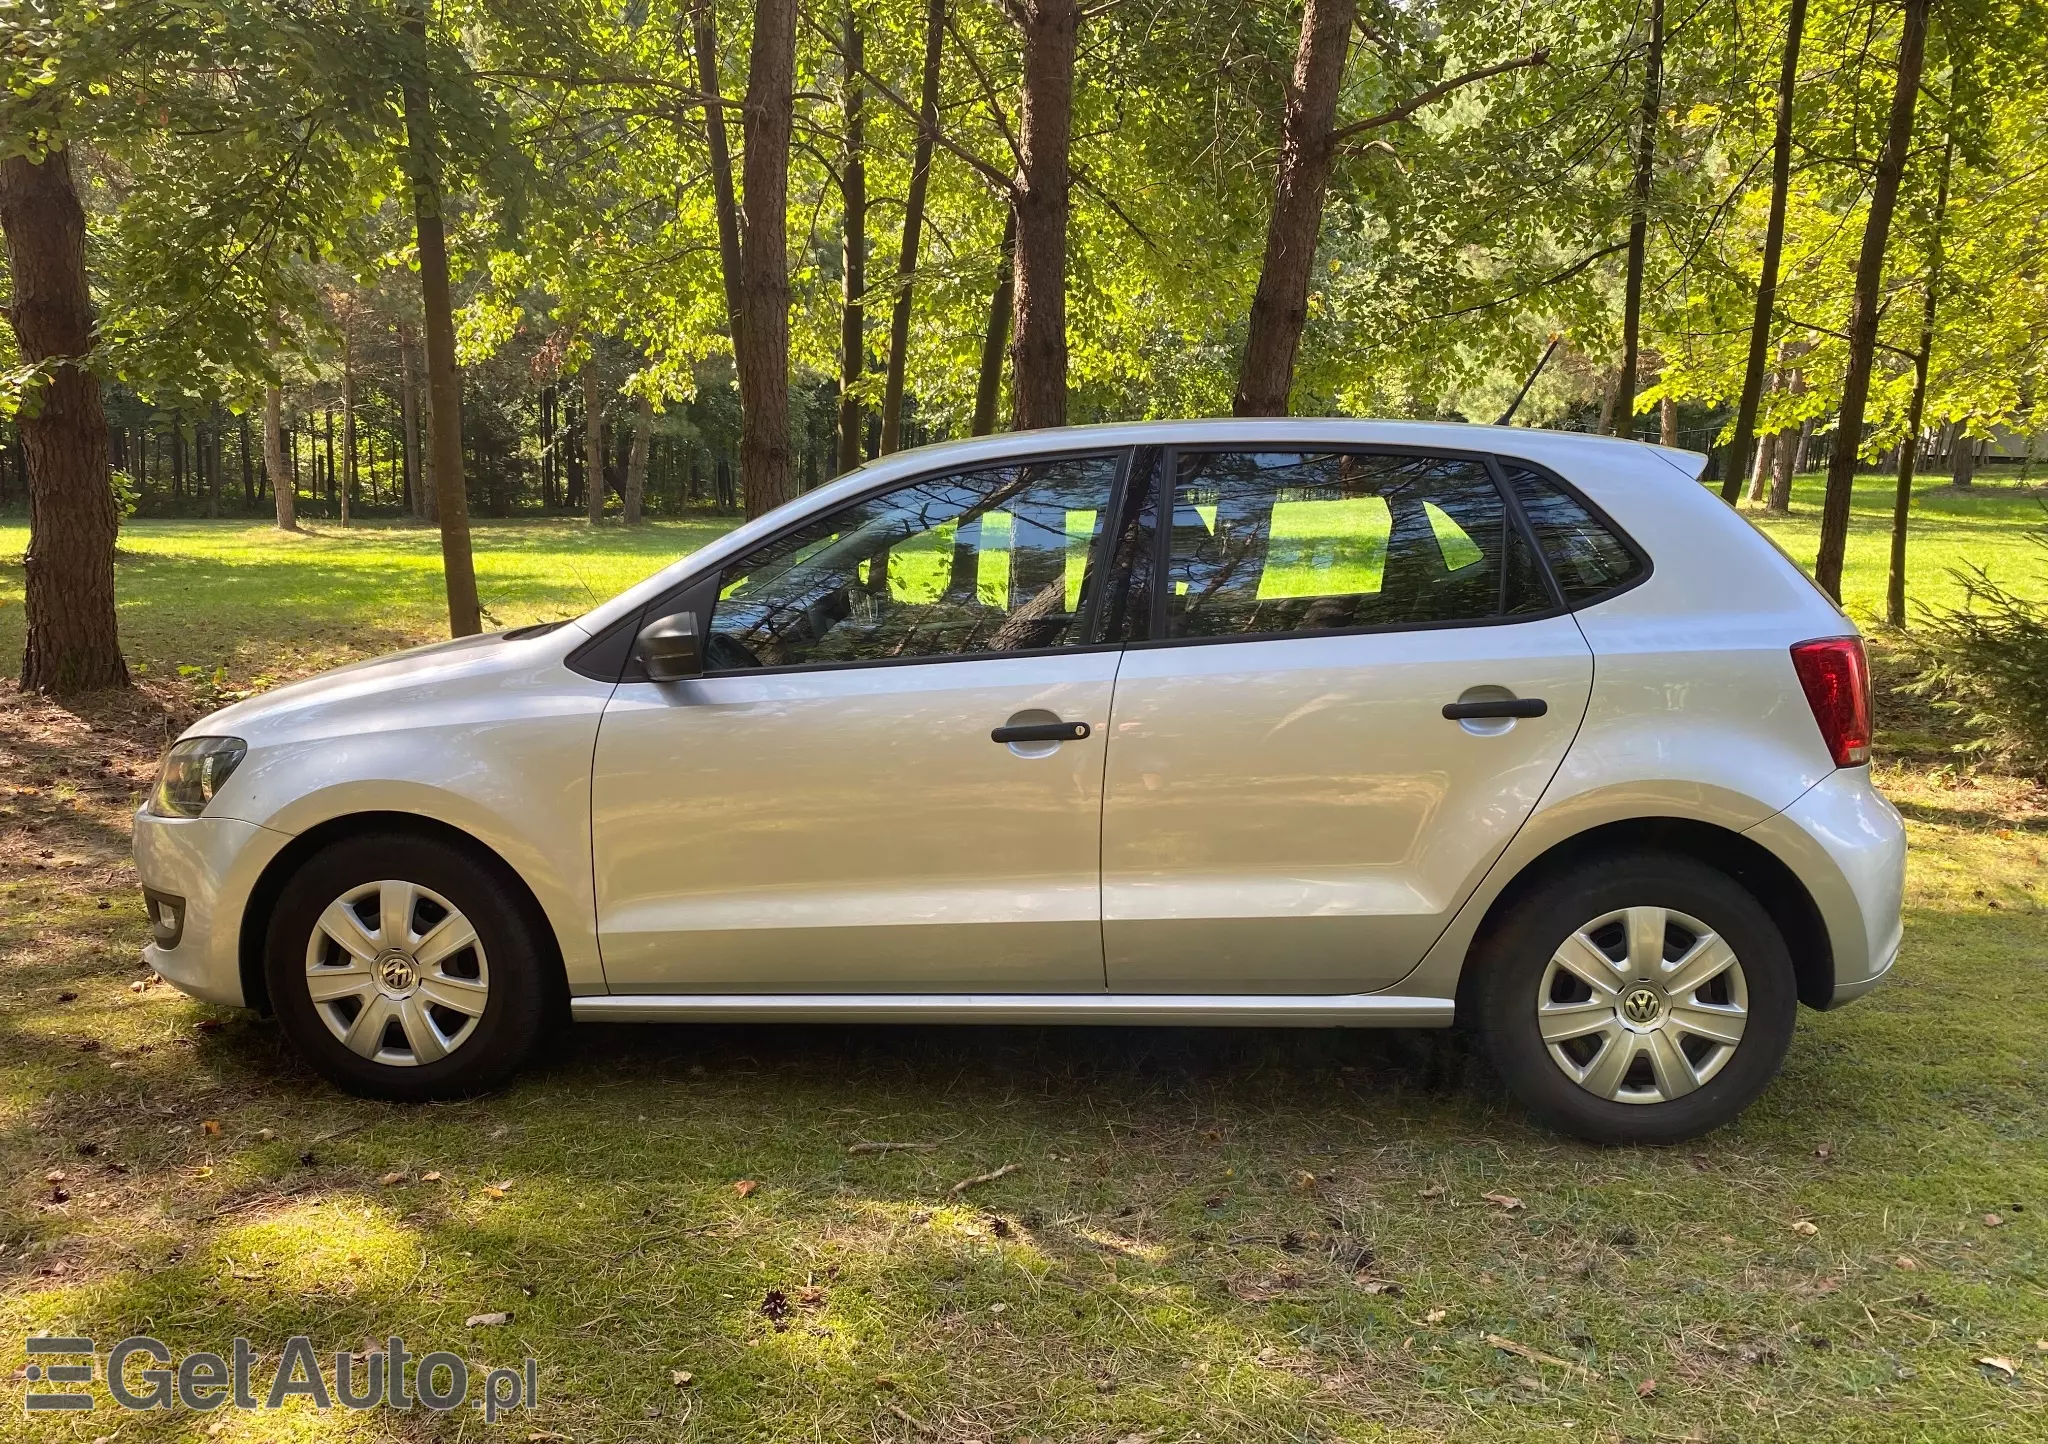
669	648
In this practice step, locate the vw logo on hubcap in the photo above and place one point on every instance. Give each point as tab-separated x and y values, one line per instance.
397	974
1641	1006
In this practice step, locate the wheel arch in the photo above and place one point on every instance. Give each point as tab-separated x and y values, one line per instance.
270	885
1748	862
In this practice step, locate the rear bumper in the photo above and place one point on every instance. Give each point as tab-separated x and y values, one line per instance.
208	866
1847	844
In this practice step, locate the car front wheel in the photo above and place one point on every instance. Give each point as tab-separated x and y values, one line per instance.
403	968
1643	999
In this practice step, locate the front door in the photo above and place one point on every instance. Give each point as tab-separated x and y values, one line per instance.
829	809
1287	807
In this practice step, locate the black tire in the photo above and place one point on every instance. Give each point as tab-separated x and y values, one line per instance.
1512	960
523	978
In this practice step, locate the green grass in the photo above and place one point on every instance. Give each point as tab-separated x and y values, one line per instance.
1230	1235
1986	525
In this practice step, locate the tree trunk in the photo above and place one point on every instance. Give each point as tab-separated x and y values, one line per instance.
1774	249
1863	311
348	426
1805	446
1667	422
1781	473
636	463
766	474
1279	312
248	462
1963	461
593	445
444	396
913	228
409	413
1639	224
1760	468
853	271
73	640
705	27
283	485
1909	451
988	389
1038	377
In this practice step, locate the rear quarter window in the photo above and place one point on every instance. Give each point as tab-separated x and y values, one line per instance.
1586	555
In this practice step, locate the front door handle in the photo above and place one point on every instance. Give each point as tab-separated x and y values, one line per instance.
1501	707
1042	732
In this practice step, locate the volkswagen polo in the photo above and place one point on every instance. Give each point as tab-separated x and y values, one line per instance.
1251	722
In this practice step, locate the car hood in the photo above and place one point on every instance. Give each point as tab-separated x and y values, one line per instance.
380	682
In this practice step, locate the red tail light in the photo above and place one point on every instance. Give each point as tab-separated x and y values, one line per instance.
1837	682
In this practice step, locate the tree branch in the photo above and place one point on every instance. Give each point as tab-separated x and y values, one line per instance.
1435	93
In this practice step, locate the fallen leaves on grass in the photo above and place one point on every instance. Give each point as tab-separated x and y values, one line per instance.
681	1378
1537	1356
498	1190
1505	1202
265	1135
1906	1262
391	1180
2008	1367
1645	1389
1436	1316
990	1177
486	1321
1992	1220
890	1147
1435	1190
1824	1152
430	1177
211	1128
1805	1227
745	1187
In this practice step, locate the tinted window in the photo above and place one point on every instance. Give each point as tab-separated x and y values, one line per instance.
1275	542
1585	556
994	560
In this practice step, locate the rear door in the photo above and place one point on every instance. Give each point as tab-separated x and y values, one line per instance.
1287	806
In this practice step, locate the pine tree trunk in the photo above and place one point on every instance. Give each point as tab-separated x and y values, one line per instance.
913	228
348	427
636	463
443	384
988	388
1038	376
1774	250
593	445
1863	311
283	485
1639	224
73	640
1909	452
1279	312
409	419
766	473
853	271
1963	465
705	37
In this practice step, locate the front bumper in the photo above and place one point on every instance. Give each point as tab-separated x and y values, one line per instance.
1847	844
210	865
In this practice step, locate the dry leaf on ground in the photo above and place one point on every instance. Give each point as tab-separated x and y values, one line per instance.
486	1321
1506	1202
745	1187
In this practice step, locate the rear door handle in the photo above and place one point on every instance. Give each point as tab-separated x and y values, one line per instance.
1042	732
1504	707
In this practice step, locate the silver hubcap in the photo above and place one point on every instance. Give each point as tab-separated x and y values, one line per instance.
1642	1005
397	973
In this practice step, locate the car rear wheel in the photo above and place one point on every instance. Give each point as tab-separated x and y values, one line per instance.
1644	999
403	968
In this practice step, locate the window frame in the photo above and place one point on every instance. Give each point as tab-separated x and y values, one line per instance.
1167	469
700	593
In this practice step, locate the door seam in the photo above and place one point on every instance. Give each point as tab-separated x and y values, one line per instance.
1102	821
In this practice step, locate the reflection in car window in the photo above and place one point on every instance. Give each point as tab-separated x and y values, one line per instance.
1586	558
1276	542
992	560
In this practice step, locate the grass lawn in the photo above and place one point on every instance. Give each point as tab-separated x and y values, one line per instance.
1215	1234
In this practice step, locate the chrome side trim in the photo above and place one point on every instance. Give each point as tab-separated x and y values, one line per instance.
1340	1010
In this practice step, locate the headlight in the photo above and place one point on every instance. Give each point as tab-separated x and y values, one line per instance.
193	772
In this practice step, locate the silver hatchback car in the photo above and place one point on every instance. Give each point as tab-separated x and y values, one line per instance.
1251	722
